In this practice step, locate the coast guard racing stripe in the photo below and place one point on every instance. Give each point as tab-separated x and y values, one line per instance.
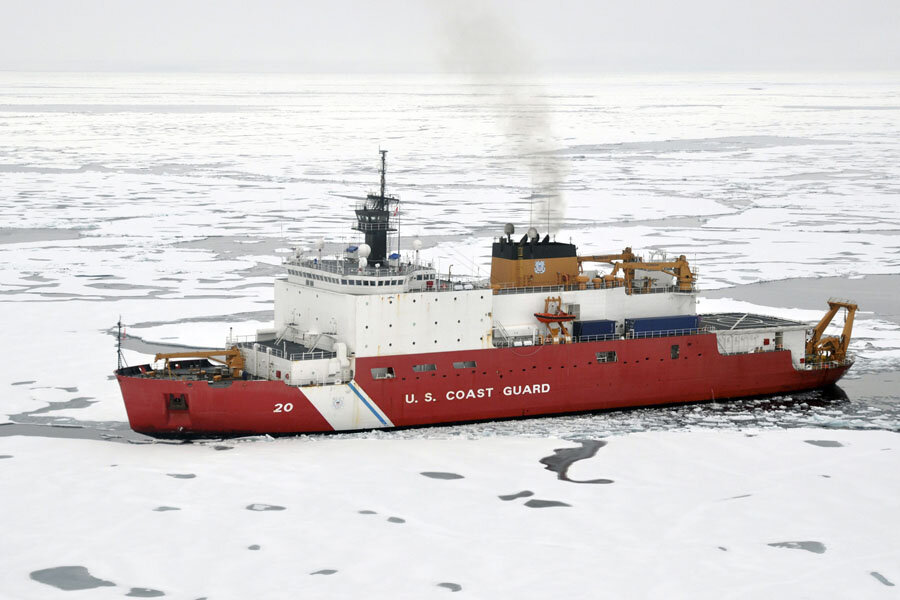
346	407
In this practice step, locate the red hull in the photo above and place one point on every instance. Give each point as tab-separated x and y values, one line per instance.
507	382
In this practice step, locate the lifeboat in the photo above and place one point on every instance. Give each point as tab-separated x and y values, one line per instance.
559	317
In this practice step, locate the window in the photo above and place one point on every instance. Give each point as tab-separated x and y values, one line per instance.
383	373
606	357
465	364
674	350
424	368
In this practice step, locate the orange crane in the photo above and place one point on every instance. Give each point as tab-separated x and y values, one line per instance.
231	358
678	269
627	255
831	348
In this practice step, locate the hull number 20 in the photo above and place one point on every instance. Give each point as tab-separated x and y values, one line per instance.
285	407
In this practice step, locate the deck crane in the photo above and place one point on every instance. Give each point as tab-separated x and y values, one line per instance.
821	349
678	269
627	255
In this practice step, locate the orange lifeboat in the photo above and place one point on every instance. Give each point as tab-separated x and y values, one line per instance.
559	317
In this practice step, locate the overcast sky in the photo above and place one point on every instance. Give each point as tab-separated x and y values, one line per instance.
373	36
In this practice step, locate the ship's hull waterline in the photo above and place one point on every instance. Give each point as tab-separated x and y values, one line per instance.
504	383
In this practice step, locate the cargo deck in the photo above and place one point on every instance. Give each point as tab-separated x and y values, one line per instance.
734	321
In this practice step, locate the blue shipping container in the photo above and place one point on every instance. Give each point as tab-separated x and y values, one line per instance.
654	324
596	327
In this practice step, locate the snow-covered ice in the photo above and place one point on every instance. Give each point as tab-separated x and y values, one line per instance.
742	514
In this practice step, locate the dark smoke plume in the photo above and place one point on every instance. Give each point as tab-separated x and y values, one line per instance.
484	47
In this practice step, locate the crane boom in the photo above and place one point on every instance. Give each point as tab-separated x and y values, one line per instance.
626	255
680	269
823	349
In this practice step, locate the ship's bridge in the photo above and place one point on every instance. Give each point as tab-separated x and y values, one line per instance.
345	275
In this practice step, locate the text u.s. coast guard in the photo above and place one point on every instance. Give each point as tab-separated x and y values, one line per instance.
485	392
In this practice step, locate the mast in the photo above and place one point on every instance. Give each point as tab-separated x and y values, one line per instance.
119	342
374	217
383	169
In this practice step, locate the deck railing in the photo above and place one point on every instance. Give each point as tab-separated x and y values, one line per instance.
312	355
829	364
663	289
667	333
529	341
349	267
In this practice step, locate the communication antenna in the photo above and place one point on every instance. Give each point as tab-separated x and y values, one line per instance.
531	210
387	200
383	167
548	214
119	343
397	210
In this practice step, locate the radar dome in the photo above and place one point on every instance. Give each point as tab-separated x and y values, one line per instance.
364	250
320	243
532	233
363	261
509	229
417	244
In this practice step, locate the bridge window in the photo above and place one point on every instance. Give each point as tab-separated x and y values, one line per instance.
606	357
424	368
383	373
465	364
